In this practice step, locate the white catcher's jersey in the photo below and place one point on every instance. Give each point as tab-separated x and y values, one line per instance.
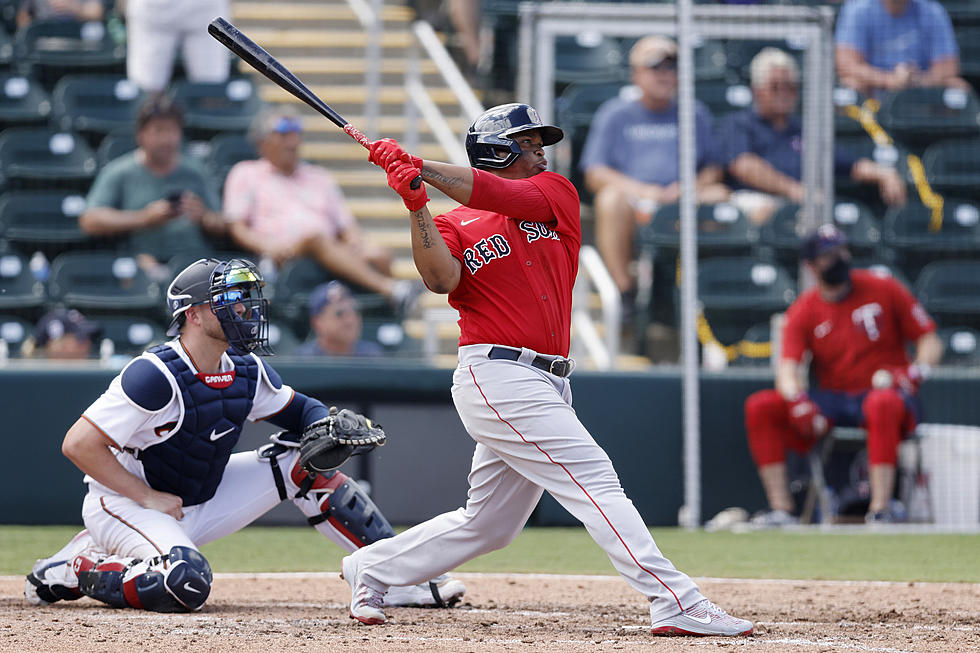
128	425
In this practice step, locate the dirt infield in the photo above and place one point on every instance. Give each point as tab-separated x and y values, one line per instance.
550	614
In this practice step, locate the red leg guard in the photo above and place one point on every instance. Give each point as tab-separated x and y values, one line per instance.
769	430
884	418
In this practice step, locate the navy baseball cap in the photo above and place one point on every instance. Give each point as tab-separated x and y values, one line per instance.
326	294
825	238
61	322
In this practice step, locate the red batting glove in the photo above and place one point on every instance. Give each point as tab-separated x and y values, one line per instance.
385	151
907	379
806	418
400	178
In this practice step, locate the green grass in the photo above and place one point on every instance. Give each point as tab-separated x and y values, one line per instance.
857	556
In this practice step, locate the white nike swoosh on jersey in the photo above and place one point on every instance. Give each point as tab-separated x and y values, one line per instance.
700	620
187	586
823	328
463	223
215	436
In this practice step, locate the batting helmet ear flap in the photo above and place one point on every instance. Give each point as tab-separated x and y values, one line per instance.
493	132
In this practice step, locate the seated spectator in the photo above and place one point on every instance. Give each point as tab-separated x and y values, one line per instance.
335	319
763	145
630	156
162	200
887	45
281	207
62	334
155	30
31	10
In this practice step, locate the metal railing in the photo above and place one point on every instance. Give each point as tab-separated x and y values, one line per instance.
592	273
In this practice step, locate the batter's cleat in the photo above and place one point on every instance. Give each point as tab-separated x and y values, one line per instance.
441	592
703	619
53	580
366	603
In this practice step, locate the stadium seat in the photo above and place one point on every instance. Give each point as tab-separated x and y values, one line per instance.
225	151
51	48
757	334
104	283
950	292
721	96
294	282
23	101
587	57
114	145
922	115
45	220
910	231
20	292
739	292
860	146
845	125
14	331
961	346
741	51
130	334
953	167
962	13
214	108
35	157
95	104
968	39
392	338
881	268
722	230
782	232
283	339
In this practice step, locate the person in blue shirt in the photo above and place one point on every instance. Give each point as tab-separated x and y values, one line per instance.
763	145
630	155
336	325
888	45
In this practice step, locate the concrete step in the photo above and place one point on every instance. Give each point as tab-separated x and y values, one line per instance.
283	41
356	95
350	65
307	13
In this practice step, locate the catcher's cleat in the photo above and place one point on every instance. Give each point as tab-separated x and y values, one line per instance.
441	592
703	618
51	581
367	603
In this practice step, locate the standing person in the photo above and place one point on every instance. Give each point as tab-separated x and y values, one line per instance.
855	325
508	259
156	450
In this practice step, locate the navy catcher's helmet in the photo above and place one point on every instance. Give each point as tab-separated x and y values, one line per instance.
494	130
222	285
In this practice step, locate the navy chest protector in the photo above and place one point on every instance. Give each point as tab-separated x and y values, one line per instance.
191	462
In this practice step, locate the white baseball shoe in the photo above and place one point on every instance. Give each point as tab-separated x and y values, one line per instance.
55	580
366	603
442	592
703	618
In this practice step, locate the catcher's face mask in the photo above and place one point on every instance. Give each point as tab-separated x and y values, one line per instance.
235	298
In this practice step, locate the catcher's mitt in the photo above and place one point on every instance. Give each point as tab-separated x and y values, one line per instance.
327	443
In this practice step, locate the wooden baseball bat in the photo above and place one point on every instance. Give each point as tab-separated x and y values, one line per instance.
257	57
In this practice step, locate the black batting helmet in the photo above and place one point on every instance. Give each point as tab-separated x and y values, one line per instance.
494	130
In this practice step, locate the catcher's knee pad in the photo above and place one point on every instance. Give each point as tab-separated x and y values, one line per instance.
177	582
344	504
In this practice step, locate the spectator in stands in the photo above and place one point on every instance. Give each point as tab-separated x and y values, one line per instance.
630	156
155	31
62	334
162	200
335	319
762	145
887	45
281	207
84	10
855	326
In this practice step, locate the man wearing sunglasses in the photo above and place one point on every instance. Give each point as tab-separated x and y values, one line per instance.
336	325
156	449
281	208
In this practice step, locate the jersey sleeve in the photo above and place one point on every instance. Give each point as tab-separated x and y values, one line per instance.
564	201
913	321
794	333
450	236
271	394
120	416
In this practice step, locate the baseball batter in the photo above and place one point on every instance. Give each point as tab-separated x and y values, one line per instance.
156	448
508	259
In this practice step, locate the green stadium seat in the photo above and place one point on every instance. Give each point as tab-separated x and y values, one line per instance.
20	292
722	230
283	339
95	104
294	282
881	268
910	231
587	57
859	145
23	101
782	233
722	96
968	39
758	334
131	334
845	125
14	331
103	283
50	48
225	151
35	157
43	220
211	109
114	145
920	116
953	167
950	292
961	346
964	13
739	292
392	338
741	51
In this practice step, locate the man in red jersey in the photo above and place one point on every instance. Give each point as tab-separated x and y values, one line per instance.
508	259
855	325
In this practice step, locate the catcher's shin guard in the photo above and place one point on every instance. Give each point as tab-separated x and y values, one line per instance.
176	582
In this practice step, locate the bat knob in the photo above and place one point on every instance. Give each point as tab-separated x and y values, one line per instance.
416	183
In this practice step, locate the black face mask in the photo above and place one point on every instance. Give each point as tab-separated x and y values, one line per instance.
837	272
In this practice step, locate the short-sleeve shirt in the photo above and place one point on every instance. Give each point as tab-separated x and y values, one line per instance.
128	425
285	208
517	274
643	144
747	131
851	339
127	185
362	348
921	36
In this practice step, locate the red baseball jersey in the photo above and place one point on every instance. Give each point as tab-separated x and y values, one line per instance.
852	338
517	270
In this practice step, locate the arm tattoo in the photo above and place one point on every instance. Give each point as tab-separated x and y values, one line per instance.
419	218
449	182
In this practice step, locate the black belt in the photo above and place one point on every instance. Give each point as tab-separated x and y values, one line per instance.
558	366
